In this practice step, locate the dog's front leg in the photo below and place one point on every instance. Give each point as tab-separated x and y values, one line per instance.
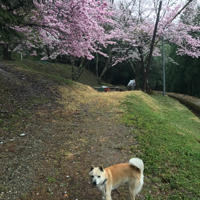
103	194
108	193
108	197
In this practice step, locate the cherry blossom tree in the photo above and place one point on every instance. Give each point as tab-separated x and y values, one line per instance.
135	29
73	26
67	27
80	28
13	13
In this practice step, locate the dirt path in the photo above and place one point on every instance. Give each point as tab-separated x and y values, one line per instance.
99	139
53	159
48	146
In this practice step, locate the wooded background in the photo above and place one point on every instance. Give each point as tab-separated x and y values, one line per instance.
110	38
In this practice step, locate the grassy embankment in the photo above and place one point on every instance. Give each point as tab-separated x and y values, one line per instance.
60	73
169	142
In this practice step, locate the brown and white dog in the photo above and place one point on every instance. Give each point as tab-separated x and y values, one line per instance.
112	177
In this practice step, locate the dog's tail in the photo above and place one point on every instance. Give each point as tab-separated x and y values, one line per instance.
137	163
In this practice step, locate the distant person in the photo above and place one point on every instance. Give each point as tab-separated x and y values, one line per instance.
131	85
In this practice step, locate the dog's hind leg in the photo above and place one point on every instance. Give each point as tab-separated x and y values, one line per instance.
132	191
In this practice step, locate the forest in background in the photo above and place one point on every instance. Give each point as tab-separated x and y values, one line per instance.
110	38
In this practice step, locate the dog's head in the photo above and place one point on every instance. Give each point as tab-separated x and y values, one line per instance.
97	175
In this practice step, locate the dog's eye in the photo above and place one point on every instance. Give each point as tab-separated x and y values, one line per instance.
99	176
92	176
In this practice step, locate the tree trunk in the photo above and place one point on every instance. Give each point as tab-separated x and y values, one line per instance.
137	76
99	80
192	88
141	65
146	71
108	65
188	88
97	69
73	70
6	52
77	73
48	53
97	65
81	68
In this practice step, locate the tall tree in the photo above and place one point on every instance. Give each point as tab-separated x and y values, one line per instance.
183	76
64	27
137	31
12	13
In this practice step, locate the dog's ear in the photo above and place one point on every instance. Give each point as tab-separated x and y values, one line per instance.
101	168
92	167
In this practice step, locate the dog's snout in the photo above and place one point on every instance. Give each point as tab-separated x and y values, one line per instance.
94	183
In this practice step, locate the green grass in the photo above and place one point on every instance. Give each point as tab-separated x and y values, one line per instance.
50	179
57	72
168	134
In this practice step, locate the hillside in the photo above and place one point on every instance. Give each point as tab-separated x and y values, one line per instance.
53	129
58	72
